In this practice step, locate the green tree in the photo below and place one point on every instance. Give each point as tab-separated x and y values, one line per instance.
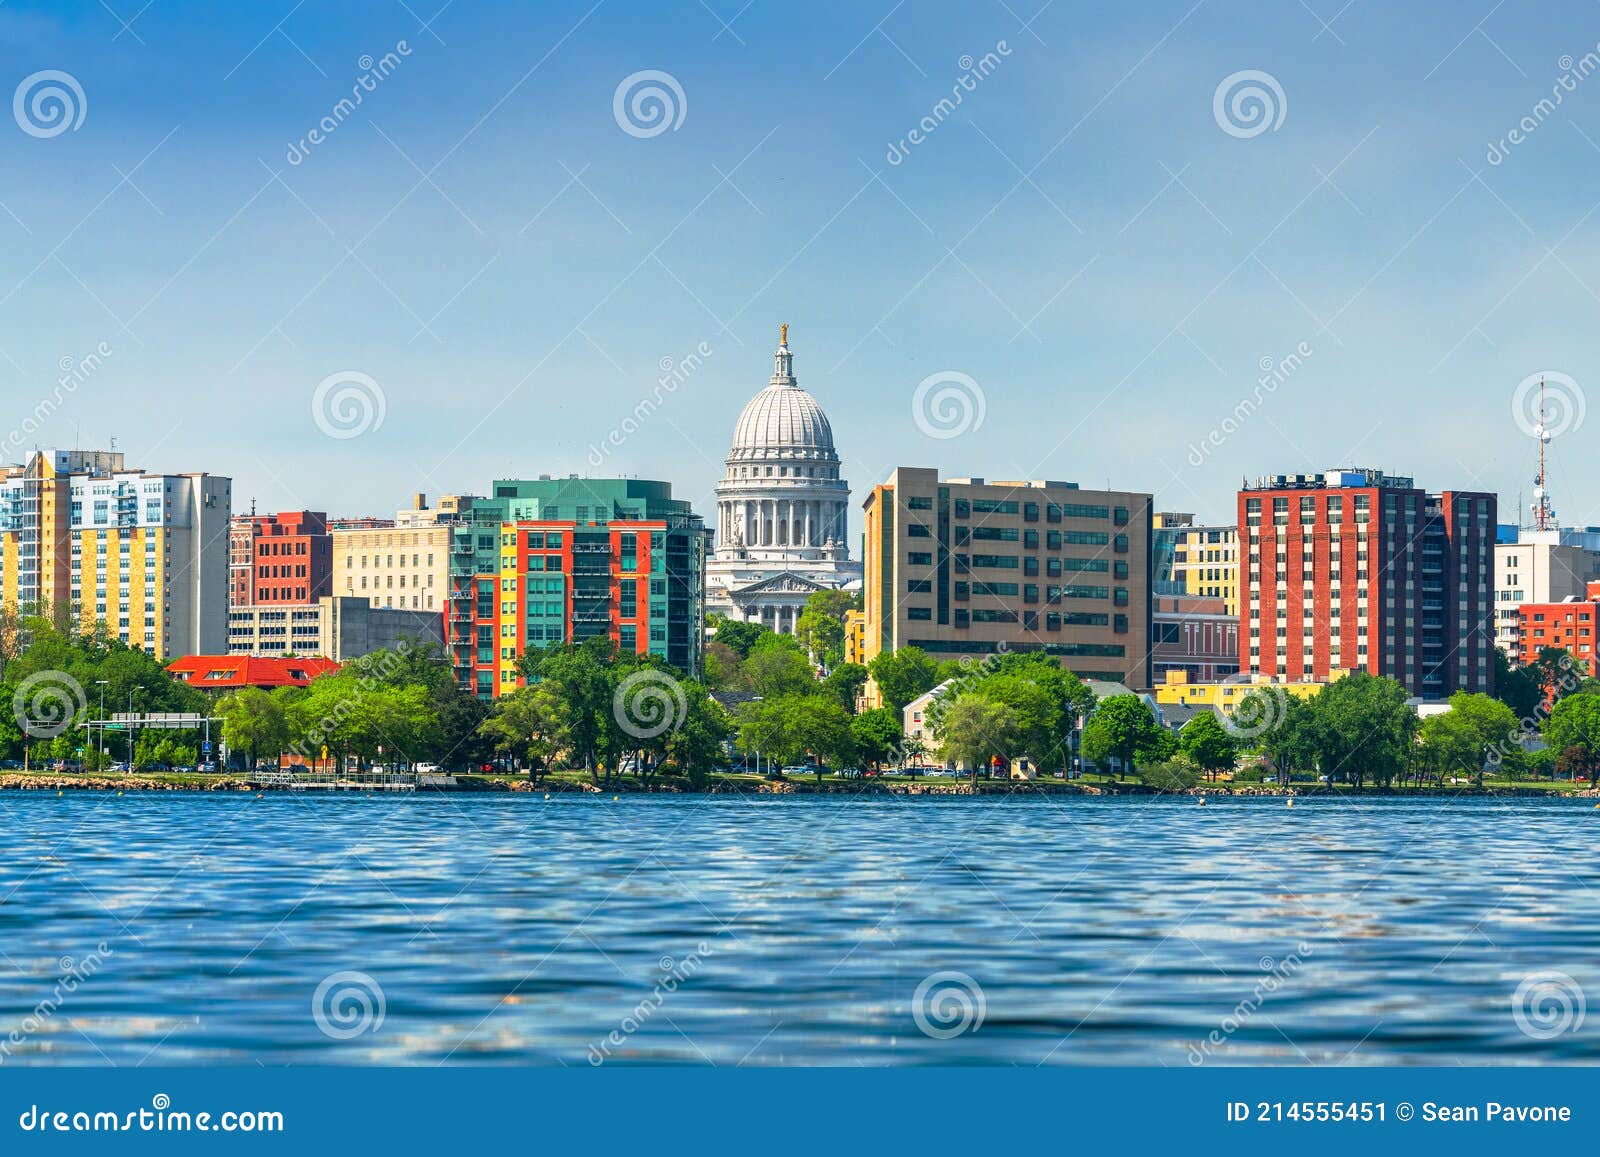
1516	687
1573	730
845	681
1173	775
1208	745
878	735
820	627
1122	727
903	675
253	721
974	730
1364	725
774	670
737	636
526	727
794	726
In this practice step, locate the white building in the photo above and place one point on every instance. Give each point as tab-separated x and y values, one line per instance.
782	509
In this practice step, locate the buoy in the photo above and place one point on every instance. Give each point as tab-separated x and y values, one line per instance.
261	795
60	793
547	796
1202	801
1289	803
615	798
119	795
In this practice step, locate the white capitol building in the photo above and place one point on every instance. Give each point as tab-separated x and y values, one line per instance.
782	509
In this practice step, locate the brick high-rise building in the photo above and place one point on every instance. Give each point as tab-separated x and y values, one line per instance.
1568	624
1360	570
279	559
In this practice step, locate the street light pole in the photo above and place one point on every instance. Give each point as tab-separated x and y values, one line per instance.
102	683
131	692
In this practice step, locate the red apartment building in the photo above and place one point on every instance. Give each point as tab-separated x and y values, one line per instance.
279	559
1360	570
1569	625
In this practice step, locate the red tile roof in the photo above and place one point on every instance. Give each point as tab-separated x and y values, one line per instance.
234	671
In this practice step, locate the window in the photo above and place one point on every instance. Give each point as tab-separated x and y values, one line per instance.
919	614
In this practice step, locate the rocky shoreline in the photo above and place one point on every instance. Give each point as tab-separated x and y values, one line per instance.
62	783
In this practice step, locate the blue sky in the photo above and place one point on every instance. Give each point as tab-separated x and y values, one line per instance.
1081	238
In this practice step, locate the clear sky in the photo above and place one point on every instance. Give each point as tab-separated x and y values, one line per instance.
1108	256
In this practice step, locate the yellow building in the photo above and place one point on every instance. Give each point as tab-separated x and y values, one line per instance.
855	637
1227	694
1200	561
89	539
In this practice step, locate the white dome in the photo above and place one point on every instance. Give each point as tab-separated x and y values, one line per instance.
782	418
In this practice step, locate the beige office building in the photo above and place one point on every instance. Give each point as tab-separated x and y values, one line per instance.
404	567
334	628
964	567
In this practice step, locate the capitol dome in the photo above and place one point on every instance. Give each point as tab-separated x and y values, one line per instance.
782	421
782	509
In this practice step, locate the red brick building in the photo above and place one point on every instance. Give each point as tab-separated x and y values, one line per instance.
280	559
1361	570
1569	625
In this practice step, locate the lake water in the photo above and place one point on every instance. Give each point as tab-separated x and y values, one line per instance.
169	929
